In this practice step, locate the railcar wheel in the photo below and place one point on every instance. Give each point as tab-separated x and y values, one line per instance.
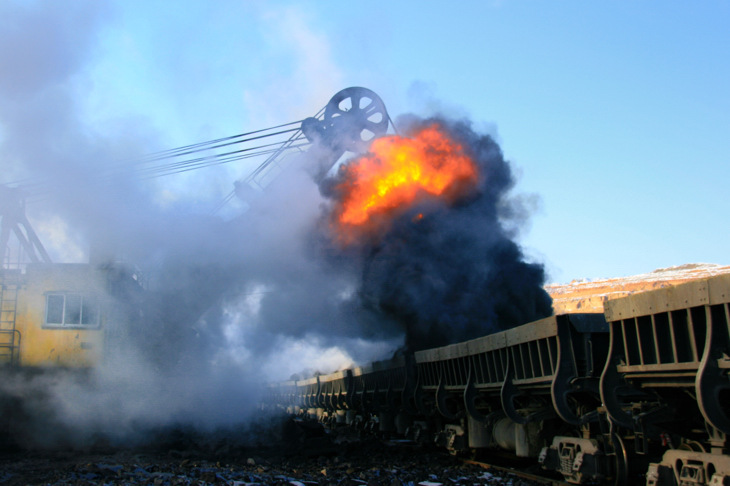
621	472
692	445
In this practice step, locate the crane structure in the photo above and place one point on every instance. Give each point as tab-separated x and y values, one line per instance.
42	301
348	122
14	221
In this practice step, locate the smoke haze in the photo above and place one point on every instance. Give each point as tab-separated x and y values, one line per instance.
219	311
230	303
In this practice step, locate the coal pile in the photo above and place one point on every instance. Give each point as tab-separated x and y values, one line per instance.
351	462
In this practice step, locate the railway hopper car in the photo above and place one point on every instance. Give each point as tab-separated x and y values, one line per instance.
283	395
365	396
336	395
523	389
665	382
378	392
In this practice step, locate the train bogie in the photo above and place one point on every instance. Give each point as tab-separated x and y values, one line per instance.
680	467
577	459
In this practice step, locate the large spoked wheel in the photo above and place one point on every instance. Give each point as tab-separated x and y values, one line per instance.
355	116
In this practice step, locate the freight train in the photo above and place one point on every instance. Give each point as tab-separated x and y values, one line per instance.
637	394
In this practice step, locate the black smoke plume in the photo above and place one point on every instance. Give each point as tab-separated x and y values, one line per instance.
455	273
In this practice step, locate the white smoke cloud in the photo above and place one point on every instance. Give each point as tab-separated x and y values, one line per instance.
67	246
63	119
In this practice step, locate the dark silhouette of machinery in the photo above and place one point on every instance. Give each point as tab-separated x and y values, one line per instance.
14	221
350	120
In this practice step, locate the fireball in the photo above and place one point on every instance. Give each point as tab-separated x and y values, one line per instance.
399	172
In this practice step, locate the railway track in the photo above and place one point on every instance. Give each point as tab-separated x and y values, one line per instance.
504	470
367	461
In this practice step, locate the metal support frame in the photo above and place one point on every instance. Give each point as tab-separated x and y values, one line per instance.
12	212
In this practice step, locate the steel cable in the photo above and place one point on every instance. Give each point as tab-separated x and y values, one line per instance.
30	182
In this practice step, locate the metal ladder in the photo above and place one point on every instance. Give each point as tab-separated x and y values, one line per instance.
9	336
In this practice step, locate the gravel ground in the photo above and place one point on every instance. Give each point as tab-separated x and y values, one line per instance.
333	459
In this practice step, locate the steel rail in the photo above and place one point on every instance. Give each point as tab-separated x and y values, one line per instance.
521	474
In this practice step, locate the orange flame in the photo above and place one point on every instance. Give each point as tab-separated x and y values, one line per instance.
398	171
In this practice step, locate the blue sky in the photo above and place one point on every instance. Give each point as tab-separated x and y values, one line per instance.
616	115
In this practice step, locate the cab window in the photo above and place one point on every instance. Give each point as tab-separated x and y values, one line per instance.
66	309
